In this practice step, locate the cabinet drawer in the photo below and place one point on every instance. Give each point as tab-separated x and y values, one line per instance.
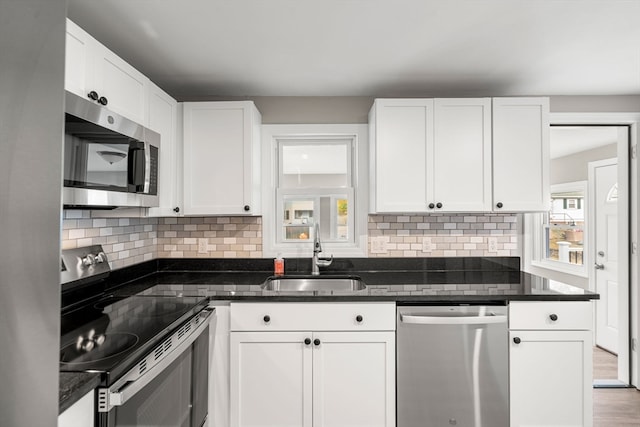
313	316
572	315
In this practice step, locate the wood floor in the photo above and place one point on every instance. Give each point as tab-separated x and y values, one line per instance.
613	407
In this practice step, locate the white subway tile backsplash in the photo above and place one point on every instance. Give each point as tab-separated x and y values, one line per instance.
129	241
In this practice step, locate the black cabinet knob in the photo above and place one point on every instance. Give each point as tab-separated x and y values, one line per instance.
247	208
307	341
358	318
93	95
266	318
438	205
499	205
176	209
517	340
316	341
431	206
103	101
553	317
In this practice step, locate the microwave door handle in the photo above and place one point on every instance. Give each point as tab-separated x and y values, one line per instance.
132	383
147	168
136	167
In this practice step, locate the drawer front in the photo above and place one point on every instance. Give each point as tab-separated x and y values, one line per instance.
313	316
570	315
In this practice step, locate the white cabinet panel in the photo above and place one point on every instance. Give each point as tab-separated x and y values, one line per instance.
550	378
403	136
351	379
80	414
310	378
380	316
462	155
270	379
123	86
90	66
521	154
221	158
431	155
163	118
550	364
78	59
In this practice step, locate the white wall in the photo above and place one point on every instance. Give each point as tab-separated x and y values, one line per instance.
574	167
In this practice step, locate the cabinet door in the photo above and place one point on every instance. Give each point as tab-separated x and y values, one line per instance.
124	87
81	413
163	118
521	154
354	379
402	145
78	60
550	378
270	380
461	161
221	158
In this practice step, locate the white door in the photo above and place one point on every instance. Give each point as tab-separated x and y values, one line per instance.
270	379
606	255
353	379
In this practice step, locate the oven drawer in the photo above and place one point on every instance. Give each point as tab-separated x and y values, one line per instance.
550	315
313	316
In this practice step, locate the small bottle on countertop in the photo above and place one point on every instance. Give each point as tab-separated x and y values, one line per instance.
278	265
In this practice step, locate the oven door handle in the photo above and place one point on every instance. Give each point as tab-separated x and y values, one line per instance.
134	381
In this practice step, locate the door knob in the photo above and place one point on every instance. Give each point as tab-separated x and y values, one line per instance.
599	266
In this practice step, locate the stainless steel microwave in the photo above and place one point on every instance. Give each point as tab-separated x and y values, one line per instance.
109	160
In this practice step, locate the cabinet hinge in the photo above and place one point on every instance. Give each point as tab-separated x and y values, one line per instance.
634	151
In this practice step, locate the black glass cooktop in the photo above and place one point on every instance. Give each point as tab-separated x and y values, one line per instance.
111	334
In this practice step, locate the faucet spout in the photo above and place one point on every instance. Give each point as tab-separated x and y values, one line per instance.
317	261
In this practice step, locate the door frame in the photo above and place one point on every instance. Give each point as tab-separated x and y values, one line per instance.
630	160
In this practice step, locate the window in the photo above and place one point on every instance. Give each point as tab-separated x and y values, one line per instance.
559	237
314	174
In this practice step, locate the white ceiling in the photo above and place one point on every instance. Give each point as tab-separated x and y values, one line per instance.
200	48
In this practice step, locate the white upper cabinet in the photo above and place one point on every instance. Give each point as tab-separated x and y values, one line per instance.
91	67
164	118
461	160
221	158
401	132
521	154
430	155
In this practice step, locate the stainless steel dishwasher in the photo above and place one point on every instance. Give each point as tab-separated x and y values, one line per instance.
452	366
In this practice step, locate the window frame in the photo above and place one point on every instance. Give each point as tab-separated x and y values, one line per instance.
540	223
272	137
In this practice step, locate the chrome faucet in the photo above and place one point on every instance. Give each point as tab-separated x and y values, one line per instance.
318	261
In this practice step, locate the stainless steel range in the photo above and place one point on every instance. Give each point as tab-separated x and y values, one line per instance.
151	351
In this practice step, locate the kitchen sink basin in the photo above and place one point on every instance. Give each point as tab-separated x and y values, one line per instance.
314	283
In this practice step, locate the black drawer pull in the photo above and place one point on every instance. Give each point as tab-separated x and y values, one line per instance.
553	317
266	318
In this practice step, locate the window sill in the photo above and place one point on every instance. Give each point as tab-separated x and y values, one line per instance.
561	267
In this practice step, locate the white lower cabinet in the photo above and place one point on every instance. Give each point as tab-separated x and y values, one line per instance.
550	368
313	377
80	414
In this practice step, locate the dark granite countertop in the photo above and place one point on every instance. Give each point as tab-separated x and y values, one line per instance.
73	386
402	280
401	287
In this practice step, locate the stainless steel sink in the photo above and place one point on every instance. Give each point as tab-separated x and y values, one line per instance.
314	283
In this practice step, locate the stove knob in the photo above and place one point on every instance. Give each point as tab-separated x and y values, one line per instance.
101	257
89	260
99	339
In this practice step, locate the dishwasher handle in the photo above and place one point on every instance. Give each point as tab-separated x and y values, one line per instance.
452	320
